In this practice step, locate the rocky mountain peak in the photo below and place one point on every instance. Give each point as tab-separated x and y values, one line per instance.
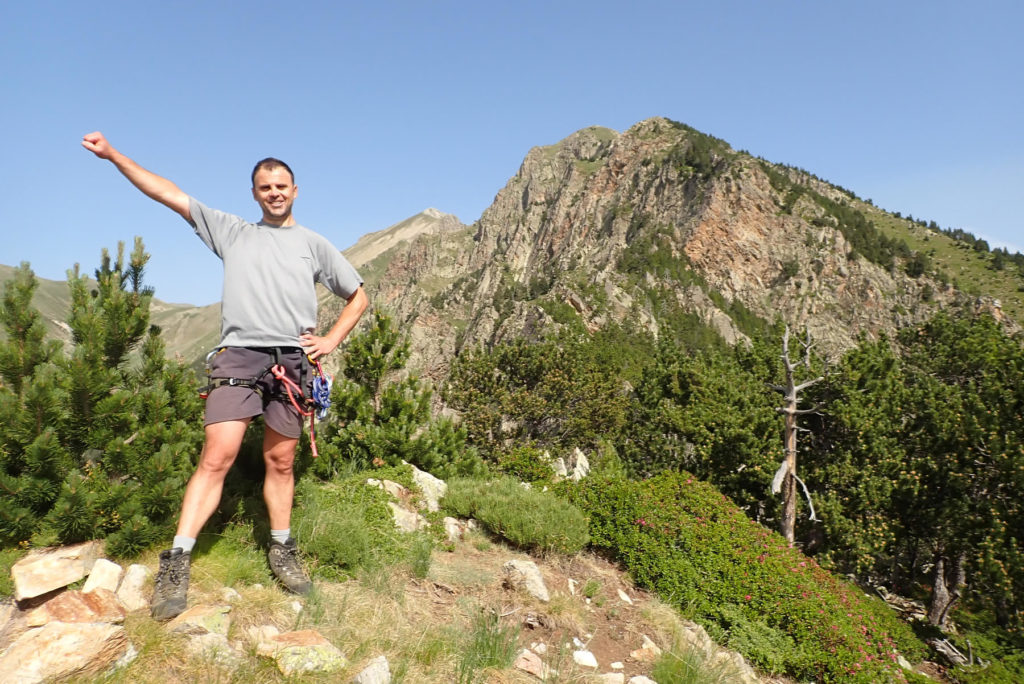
647	227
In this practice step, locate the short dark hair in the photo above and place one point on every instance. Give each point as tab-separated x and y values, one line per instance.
268	164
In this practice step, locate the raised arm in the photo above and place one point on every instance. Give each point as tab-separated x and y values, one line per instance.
153	186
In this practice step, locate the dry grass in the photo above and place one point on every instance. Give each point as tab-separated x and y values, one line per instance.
423	626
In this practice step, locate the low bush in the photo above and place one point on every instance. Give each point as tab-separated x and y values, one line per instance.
685	540
527	464
526	517
346	526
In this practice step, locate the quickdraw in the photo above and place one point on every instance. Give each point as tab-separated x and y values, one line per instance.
318	403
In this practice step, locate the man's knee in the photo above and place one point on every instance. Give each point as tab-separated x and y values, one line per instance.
279	452
223	441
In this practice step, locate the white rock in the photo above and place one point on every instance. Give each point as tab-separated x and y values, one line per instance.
584	659
539	648
394	489
132	591
214	648
261	637
648	652
433	488
530	662
581	468
202	619
618	666
406	521
525	573
640	679
229	595
60	649
44	570
377	672
625	597
558	465
105	574
609	678
453	529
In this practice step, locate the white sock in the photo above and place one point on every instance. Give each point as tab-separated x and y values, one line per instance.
281	536
186	544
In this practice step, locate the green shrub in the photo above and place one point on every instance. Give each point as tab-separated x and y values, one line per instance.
685	540
96	440
347	526
528	518
526	464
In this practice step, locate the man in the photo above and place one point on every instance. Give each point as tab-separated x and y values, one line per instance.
268	319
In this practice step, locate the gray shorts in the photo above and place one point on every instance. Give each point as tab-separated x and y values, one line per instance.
227	402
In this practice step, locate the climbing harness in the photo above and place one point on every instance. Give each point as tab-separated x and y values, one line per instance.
314	406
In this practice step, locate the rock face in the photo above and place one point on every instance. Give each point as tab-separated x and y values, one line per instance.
641	227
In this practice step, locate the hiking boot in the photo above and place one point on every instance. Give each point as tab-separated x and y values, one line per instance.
170	593
284	561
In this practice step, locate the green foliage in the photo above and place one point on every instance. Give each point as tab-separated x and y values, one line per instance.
553	395
864	238
710	413
526	464
698	153
651	250
854	458
489	644
685	540
380	415
920	458
97	442
998	655
8	557
347	528
526	517
918	265
691	667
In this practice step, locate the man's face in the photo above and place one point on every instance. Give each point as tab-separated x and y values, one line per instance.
274	190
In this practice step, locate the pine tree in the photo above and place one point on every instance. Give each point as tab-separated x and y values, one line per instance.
96	442
380	414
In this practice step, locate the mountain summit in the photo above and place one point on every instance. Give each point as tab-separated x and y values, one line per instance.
657	227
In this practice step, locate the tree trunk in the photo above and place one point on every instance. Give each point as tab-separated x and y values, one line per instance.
946	588
788	525
791	391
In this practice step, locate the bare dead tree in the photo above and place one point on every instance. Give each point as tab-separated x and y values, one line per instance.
786	479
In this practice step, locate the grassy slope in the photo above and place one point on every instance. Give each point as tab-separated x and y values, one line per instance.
970	270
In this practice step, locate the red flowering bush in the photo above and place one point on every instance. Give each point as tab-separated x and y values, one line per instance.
688	542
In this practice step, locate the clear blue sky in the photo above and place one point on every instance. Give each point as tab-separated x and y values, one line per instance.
386	108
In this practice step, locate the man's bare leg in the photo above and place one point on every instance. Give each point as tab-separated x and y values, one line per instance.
202	496
278	493
279	482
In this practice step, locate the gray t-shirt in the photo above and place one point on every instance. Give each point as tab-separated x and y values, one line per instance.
269	297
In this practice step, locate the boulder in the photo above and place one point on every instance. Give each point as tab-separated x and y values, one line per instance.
100	605
62	649
525	574
44	570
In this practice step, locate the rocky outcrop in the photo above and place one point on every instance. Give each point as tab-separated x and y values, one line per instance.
607	227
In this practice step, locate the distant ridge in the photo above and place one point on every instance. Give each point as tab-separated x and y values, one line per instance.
428	222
